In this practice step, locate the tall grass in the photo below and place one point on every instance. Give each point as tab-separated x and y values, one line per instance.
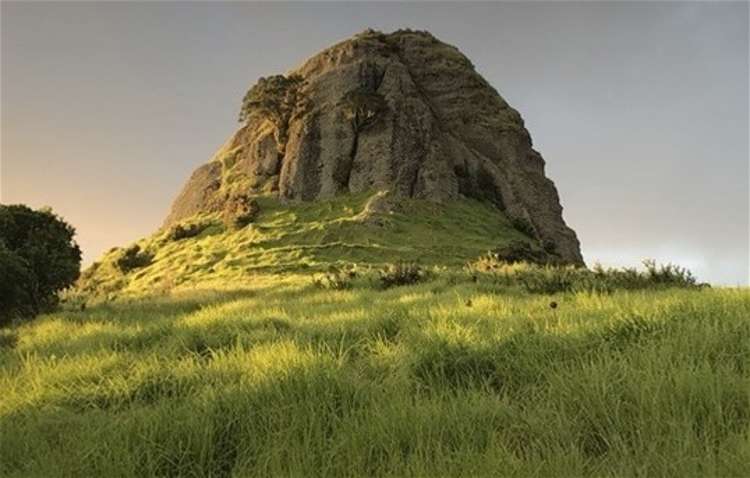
446	377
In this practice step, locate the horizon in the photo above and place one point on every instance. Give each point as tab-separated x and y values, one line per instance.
106	132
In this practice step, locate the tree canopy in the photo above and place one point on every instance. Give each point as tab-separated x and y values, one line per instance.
38	258
274	96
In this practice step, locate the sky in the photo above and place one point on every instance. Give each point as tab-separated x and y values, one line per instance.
639	109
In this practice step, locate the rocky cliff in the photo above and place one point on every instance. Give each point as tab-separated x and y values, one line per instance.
401	112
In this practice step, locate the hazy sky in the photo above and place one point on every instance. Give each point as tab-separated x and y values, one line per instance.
640	109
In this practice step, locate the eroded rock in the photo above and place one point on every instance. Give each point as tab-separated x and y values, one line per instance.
401	112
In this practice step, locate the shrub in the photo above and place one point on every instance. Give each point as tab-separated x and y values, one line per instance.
133	258
335	279
668	274
39	259
551	278
185	231
239	211
402	273
514	252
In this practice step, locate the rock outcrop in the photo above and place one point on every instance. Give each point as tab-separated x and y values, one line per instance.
401	112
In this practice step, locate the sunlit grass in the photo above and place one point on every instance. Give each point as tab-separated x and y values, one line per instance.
443	378
226	355
303	237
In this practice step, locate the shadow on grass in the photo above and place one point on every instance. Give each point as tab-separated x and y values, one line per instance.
513	364
161	306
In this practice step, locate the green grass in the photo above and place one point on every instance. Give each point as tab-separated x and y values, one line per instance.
448	377
219	356
302	237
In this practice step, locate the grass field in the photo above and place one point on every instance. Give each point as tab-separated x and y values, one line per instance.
230	353
449	377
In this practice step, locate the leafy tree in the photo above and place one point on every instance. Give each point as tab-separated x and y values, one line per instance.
39	258
274	96
17	287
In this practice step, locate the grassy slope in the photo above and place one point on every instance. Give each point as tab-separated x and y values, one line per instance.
310	236
280	378
266	375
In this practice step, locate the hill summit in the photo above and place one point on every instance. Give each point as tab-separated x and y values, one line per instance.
402	115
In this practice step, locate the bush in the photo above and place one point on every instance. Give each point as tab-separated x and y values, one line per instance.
185	231
239	211
512	253
551	279
402	273
335	279
38	259
668	274
133	258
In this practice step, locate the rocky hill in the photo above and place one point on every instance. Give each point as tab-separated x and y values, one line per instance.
401	112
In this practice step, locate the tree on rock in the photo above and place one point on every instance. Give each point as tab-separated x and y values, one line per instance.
38	258
274	97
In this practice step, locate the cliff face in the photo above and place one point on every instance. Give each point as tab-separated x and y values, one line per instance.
401	112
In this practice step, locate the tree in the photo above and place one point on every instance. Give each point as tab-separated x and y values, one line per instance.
39	259
274	96
17	287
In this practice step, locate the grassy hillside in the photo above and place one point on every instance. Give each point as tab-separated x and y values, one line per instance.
448	377
303	237
214	352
